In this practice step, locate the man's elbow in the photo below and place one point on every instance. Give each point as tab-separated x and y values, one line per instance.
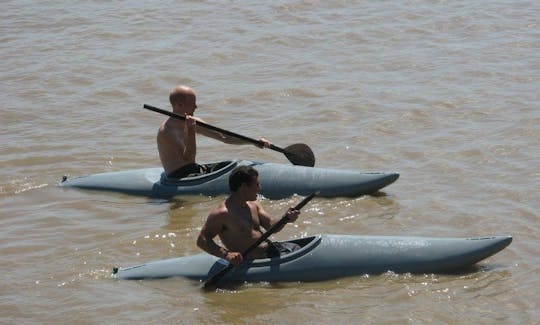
201	241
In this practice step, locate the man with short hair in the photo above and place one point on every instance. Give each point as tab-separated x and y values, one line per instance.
238	220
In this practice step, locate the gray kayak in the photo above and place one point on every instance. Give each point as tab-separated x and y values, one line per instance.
277	181
325	257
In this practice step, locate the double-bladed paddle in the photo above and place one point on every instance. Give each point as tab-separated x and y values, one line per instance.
212	281
298	153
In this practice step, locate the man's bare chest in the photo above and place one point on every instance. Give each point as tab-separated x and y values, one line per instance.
244	220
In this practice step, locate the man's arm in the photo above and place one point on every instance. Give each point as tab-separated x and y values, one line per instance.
267	221
209	231
225	138
190	142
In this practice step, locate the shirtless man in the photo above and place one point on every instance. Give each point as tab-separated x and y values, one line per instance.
176	138
238	221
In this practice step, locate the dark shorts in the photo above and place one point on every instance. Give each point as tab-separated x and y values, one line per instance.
186	171
276	249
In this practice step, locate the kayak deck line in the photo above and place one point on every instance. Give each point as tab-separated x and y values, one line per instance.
278	181
325	257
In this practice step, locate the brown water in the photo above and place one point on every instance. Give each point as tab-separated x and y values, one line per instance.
446	93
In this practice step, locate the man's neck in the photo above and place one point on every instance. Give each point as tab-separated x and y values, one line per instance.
237	199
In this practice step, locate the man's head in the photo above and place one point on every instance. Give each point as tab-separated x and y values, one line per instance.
244	178
183	99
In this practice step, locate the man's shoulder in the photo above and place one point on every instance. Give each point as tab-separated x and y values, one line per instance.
255	204
220	211
166	126
166	133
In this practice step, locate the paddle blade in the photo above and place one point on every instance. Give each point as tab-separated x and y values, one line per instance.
300	154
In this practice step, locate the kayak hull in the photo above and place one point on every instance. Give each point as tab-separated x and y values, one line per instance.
325	257
277	180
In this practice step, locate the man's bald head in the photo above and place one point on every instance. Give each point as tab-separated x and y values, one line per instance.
182	96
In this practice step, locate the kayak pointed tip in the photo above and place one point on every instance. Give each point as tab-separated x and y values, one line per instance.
507	239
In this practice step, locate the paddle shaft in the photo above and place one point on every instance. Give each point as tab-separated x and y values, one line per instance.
215	128
216	277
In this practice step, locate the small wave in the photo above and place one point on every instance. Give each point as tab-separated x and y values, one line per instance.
20	186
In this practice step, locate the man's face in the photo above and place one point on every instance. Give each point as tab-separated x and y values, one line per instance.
253	188
189	106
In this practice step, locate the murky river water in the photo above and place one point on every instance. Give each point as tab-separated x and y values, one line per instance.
446	93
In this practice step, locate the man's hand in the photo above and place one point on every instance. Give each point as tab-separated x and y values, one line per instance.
235	258
292	214
264	143
191	121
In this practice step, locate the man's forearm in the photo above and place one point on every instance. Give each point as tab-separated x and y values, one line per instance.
209	246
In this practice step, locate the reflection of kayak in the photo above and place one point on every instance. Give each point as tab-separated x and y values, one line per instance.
277	181
325	257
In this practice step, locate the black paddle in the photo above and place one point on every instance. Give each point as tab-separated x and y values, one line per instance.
298	153
211	282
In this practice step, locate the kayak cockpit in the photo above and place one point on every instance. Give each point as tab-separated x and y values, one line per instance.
307	244
213	171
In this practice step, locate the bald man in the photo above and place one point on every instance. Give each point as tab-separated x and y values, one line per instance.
176	139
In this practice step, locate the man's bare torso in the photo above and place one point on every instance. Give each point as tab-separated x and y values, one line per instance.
241	227
171	146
